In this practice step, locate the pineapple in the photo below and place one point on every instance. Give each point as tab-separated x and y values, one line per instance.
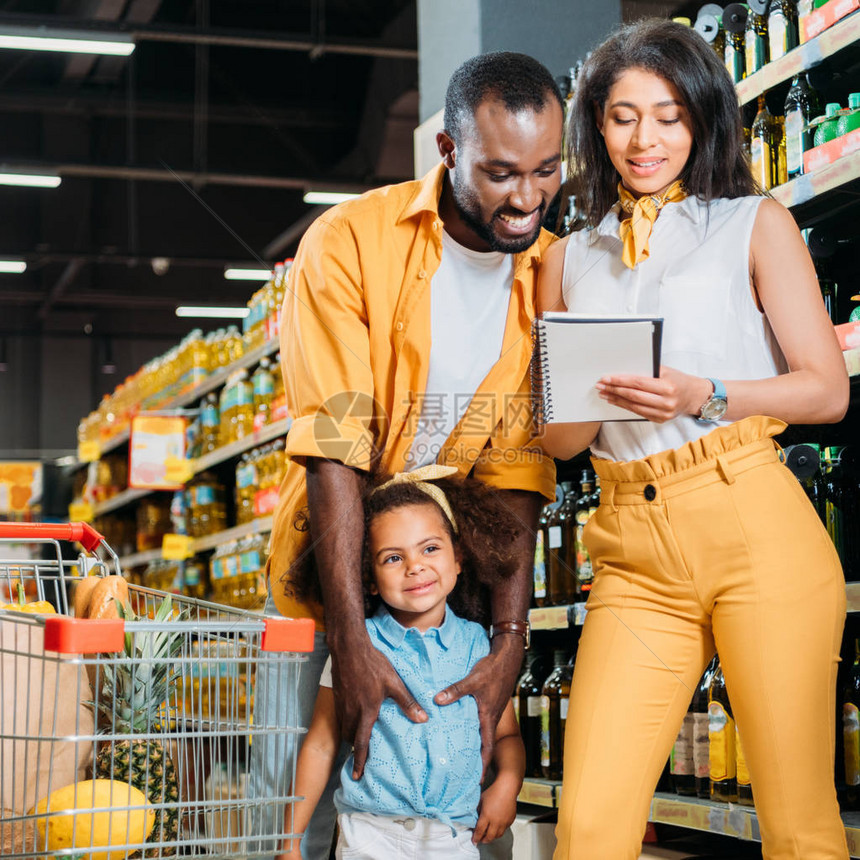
133	695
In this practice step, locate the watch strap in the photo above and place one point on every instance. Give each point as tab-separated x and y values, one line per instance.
719	389
519	628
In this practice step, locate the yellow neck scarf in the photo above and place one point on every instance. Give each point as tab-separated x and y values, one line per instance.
635	231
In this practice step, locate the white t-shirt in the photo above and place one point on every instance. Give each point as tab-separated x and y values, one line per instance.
469	300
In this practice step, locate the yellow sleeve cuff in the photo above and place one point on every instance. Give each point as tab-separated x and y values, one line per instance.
349	442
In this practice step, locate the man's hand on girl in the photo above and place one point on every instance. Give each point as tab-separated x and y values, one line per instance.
491	683
658	399
363	678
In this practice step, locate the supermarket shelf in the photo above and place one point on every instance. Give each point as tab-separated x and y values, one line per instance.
810	185
728	819
557	617
219	455
120	500
213	381
261	524
234	449
852	591
834	39
540	792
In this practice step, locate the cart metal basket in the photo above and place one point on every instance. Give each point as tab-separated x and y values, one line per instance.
132	737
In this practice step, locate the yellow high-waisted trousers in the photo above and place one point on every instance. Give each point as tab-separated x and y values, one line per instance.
714	543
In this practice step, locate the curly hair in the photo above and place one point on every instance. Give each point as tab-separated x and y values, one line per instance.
486	533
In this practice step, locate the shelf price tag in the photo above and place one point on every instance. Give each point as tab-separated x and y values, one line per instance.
178	471
81	512
177	547
549	618
89	451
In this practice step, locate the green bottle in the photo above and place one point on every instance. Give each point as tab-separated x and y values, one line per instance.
782	30
799	107
850	120
755	42
734	24
825	127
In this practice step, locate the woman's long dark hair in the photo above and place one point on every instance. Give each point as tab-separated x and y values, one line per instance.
716	167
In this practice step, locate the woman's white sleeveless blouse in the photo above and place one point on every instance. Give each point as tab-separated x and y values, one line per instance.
697	278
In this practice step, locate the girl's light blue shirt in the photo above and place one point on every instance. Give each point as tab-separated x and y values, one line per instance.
431	769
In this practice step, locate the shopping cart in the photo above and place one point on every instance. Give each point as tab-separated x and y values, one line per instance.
133	735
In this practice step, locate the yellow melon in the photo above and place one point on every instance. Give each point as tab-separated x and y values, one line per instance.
94	813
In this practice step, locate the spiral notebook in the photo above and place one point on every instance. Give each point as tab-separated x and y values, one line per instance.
573	351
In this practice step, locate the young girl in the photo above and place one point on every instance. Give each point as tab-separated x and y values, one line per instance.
703	537
429	546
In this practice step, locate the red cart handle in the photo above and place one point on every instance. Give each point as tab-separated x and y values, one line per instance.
83	533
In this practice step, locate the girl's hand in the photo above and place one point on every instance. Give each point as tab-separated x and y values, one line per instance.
496	812
659	400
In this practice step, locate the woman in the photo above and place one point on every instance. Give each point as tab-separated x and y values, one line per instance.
703	538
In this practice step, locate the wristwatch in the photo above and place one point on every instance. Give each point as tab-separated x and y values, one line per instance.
519	628
715	406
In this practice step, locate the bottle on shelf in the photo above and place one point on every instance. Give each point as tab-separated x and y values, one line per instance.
826	127
701	739
745	792
539	572
782	28
721	735
833	500
263	387
734	25
755	43
246	486
210	423
800	105
586	507
849	120
558	591
555	696
527	696
762	146
681	766
195	580
851	731
242	420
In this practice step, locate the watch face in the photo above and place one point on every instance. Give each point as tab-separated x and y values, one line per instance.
715	408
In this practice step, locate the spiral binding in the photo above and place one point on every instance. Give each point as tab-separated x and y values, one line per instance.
539	373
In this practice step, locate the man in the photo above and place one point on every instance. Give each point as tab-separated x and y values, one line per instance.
405	340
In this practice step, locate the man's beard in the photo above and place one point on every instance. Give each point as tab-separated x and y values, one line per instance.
469	208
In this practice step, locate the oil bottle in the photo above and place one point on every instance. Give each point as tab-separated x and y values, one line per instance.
242	419
555	696
721	735
755	43
782	30
761	146
586	507
539	569
851	731
210	423
701	740
527	705
263	386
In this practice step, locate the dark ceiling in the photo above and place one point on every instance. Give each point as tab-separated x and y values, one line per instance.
197	148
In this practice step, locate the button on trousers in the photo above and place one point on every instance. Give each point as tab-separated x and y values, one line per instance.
712	544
